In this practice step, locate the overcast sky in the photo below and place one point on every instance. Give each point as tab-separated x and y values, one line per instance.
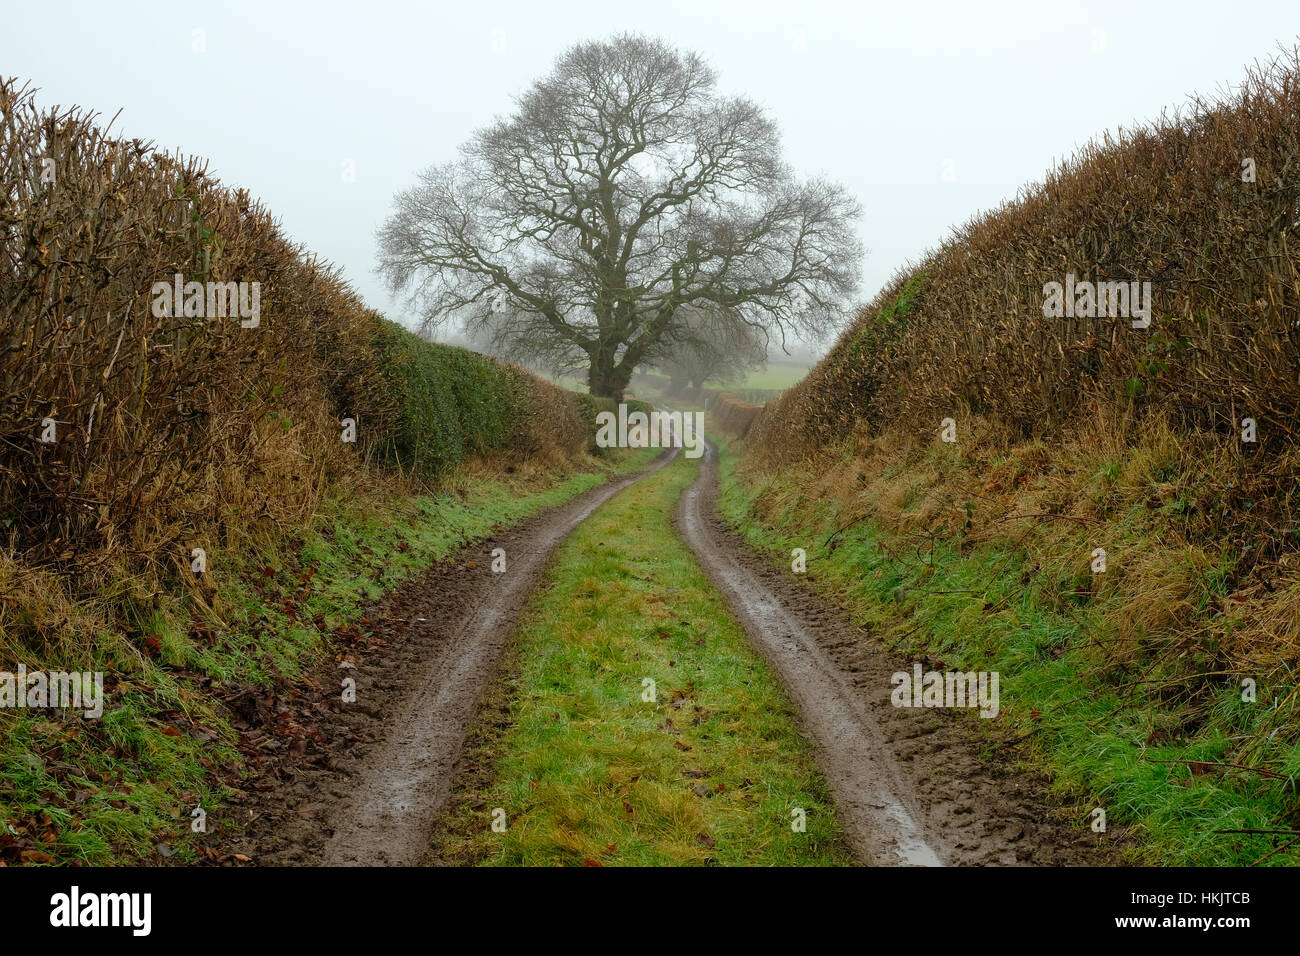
884	97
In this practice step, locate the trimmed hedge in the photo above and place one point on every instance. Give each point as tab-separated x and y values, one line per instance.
123	432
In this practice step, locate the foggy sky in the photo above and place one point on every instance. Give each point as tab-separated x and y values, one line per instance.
879	96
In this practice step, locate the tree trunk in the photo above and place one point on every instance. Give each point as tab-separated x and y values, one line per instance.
605	379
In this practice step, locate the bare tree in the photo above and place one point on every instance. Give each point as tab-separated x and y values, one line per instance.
622	189
708	346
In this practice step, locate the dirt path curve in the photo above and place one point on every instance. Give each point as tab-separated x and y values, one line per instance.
374	793
913	787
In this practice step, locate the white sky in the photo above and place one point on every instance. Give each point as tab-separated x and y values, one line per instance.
876	95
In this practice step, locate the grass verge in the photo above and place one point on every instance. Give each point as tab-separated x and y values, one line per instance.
124	788
1124	738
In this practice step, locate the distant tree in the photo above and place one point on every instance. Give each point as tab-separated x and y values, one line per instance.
622	191
706	346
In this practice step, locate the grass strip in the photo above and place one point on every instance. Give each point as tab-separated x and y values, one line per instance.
597	766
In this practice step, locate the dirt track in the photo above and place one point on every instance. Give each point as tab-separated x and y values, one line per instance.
912	786
367	784
368	790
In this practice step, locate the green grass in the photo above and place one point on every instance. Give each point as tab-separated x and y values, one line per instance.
358	556
590	773
1098	733
111	790
775	376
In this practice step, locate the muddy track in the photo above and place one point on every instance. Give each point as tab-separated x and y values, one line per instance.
369	787
912	786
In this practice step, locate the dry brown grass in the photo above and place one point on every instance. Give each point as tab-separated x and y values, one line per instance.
1171	587
731	416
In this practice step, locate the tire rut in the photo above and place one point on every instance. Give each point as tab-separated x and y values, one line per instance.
913	787
372	790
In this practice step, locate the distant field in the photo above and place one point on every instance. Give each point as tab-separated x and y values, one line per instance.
774	376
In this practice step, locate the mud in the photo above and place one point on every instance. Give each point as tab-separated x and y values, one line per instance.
919	787
366	785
